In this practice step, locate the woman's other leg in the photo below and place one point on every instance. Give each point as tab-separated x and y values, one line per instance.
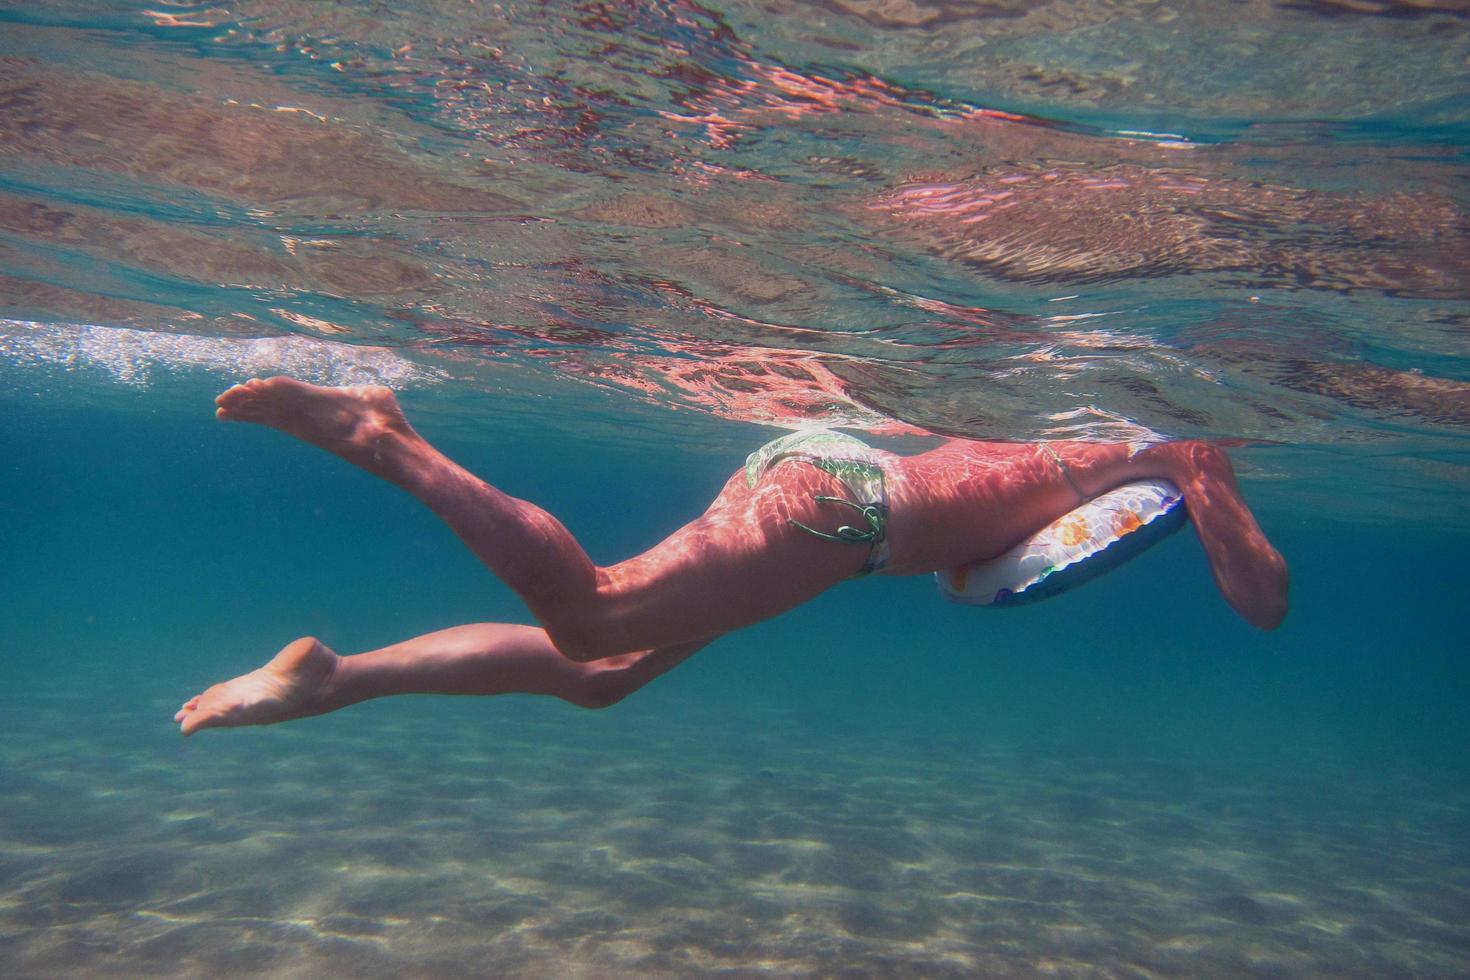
306	678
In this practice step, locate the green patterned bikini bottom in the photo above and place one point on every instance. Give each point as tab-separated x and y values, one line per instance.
860	470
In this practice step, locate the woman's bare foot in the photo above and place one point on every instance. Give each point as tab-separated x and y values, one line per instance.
353	423
296	683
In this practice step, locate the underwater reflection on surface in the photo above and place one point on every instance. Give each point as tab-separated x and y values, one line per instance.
618	191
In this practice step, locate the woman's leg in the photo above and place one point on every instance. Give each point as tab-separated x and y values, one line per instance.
306	678
739	563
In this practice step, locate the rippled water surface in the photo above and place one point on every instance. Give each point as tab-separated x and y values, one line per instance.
999	219
591	244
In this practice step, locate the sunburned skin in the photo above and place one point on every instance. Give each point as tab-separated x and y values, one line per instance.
607	630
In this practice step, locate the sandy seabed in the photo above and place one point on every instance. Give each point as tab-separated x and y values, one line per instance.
524	839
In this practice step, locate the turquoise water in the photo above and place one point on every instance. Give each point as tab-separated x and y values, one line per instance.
604	251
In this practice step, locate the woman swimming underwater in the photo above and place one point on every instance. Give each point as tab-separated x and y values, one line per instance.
806	512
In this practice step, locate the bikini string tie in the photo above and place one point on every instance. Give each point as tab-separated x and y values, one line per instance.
876	516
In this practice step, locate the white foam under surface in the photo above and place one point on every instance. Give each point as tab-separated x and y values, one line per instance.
130	356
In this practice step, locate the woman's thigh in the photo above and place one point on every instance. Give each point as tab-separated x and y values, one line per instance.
740	562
